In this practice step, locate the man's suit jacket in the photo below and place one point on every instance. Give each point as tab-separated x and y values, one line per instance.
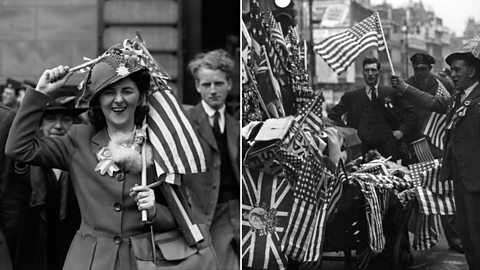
395	114
204	187
463	141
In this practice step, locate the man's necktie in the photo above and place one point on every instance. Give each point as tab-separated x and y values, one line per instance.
216	124
373	94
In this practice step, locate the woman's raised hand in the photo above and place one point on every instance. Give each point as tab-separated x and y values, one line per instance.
53	79
145	199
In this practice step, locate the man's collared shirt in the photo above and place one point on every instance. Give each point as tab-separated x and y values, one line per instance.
369	92
468	91
210	112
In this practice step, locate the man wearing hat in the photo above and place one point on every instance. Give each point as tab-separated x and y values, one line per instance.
461	156
54	216
10	93
424	80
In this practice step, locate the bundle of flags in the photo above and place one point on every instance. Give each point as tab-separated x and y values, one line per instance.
340	50
435	198
270	66
315	196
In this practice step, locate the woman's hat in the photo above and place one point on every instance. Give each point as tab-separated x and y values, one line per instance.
115	64
470	50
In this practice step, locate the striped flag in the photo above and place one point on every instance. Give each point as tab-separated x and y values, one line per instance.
417	170
303	216
312	113
426	232
340	50
176	148
327	203
266	201
175	145
422	150
436	124
374	216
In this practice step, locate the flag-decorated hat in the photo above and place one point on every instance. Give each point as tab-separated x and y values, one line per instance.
470	50
115	64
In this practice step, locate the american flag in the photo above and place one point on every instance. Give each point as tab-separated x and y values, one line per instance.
422	150
340	50
418	170
426	231
311	114
435	127
175	145
374	216
328	200
304	214
266	201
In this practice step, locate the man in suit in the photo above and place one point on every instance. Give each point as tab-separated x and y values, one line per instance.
216	193
461	156
424	80
14	195
381	118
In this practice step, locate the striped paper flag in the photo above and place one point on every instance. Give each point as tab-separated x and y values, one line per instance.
422	150
417	170
327	203
340	50
175	145
436	124
266	201
303	216
426	232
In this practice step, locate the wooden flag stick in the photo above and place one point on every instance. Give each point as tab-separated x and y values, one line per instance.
144	176
385	41
86	64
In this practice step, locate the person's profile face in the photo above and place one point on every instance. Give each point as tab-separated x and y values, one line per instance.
56	124
370	74
9	97
213	86
118	102
462	74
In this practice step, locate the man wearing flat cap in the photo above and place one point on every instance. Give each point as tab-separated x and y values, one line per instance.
461	157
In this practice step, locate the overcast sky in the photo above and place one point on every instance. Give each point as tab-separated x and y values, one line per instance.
454	13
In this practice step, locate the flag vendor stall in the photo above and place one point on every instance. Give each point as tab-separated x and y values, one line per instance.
299	198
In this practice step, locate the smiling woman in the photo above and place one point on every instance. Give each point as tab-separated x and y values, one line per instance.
103	158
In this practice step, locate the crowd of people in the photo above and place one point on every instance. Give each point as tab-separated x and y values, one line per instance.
390	118
71	198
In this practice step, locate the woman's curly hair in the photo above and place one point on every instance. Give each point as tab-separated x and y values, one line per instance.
141	79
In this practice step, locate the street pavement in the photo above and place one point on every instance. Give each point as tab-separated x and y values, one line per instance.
440	257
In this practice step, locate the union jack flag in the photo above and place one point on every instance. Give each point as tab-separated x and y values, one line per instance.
266	201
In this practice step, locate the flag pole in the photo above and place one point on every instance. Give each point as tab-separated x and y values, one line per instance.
305	53
386	46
